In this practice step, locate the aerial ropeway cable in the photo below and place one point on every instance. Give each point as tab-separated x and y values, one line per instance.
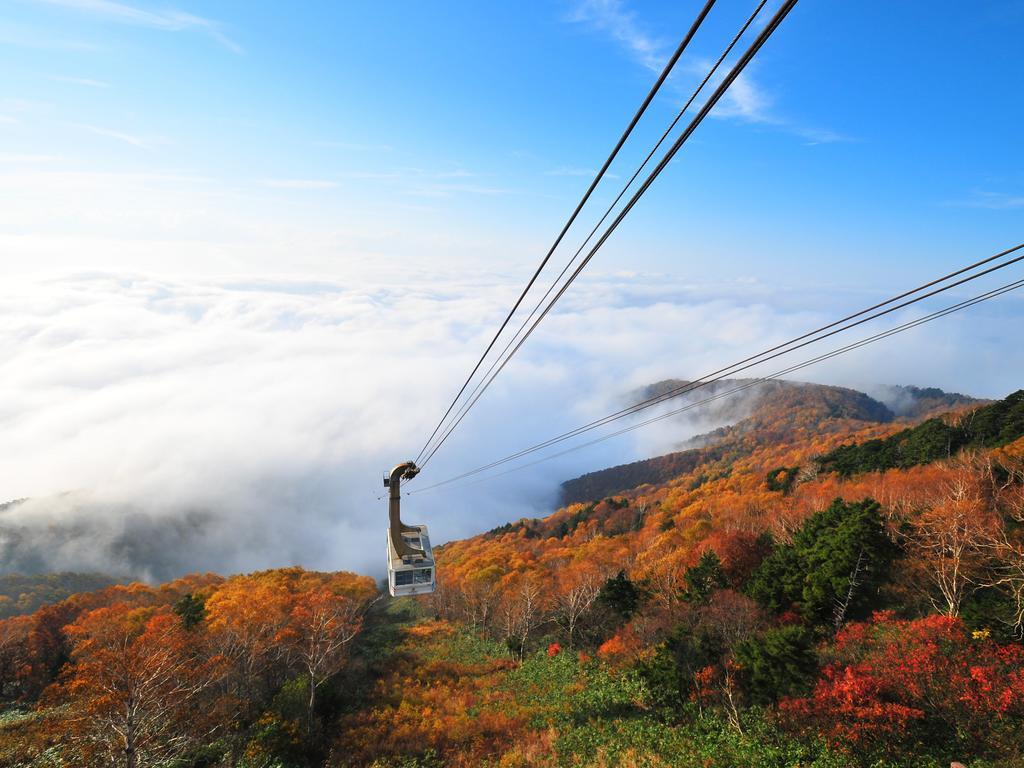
995	292
819	334
786	347
411	567
484	382
727	81
408	546
669	66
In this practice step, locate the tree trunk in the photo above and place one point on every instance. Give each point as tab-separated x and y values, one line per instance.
312	703
842	606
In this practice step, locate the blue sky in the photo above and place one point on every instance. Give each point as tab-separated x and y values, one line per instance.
233	235
880	135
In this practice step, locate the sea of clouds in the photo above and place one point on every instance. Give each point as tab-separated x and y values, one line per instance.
158	426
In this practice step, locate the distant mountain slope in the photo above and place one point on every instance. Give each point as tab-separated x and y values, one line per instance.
605	482
989	426
21	595
910	402
767	473
769	412
826	401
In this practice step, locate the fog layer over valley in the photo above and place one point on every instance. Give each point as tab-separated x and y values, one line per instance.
157	426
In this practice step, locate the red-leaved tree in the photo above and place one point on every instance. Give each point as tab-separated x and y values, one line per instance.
893	679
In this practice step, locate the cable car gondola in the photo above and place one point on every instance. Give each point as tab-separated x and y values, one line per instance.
411	568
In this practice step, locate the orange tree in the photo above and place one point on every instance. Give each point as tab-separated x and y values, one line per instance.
320	627
138	689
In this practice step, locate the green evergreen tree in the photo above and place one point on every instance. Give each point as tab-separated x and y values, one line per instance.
779	662
621	595
833	569
670	673
191	609
704	578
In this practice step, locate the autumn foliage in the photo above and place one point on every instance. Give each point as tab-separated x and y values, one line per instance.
139	676
136	686
750	607
894	681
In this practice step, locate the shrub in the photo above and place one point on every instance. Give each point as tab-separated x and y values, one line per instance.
894	683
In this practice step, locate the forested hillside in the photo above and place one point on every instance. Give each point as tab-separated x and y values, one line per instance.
987	427
856	617
25	594
763	606
769	412
201	671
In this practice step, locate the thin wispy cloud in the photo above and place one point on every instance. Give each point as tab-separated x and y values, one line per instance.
815	136
415	182
86	82
127	138
456	174
25	105
23	36
18	158
745	101
372	175
168	20
996	201
613	19
447	190
353	146
299	183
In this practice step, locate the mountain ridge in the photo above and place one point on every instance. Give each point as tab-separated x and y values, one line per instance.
768	412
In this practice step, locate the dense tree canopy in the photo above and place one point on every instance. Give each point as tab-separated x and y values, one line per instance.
833	569
713	618
990	426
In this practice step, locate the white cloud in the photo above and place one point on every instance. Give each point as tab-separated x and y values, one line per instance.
163	425
611	18
745	101
13	106
997	201
353	146
440	189
416	182
458	173
87	82
169	20
22	158
299	183
128	138
26	36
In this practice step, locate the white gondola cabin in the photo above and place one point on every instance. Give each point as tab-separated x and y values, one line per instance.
411	568
413	574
